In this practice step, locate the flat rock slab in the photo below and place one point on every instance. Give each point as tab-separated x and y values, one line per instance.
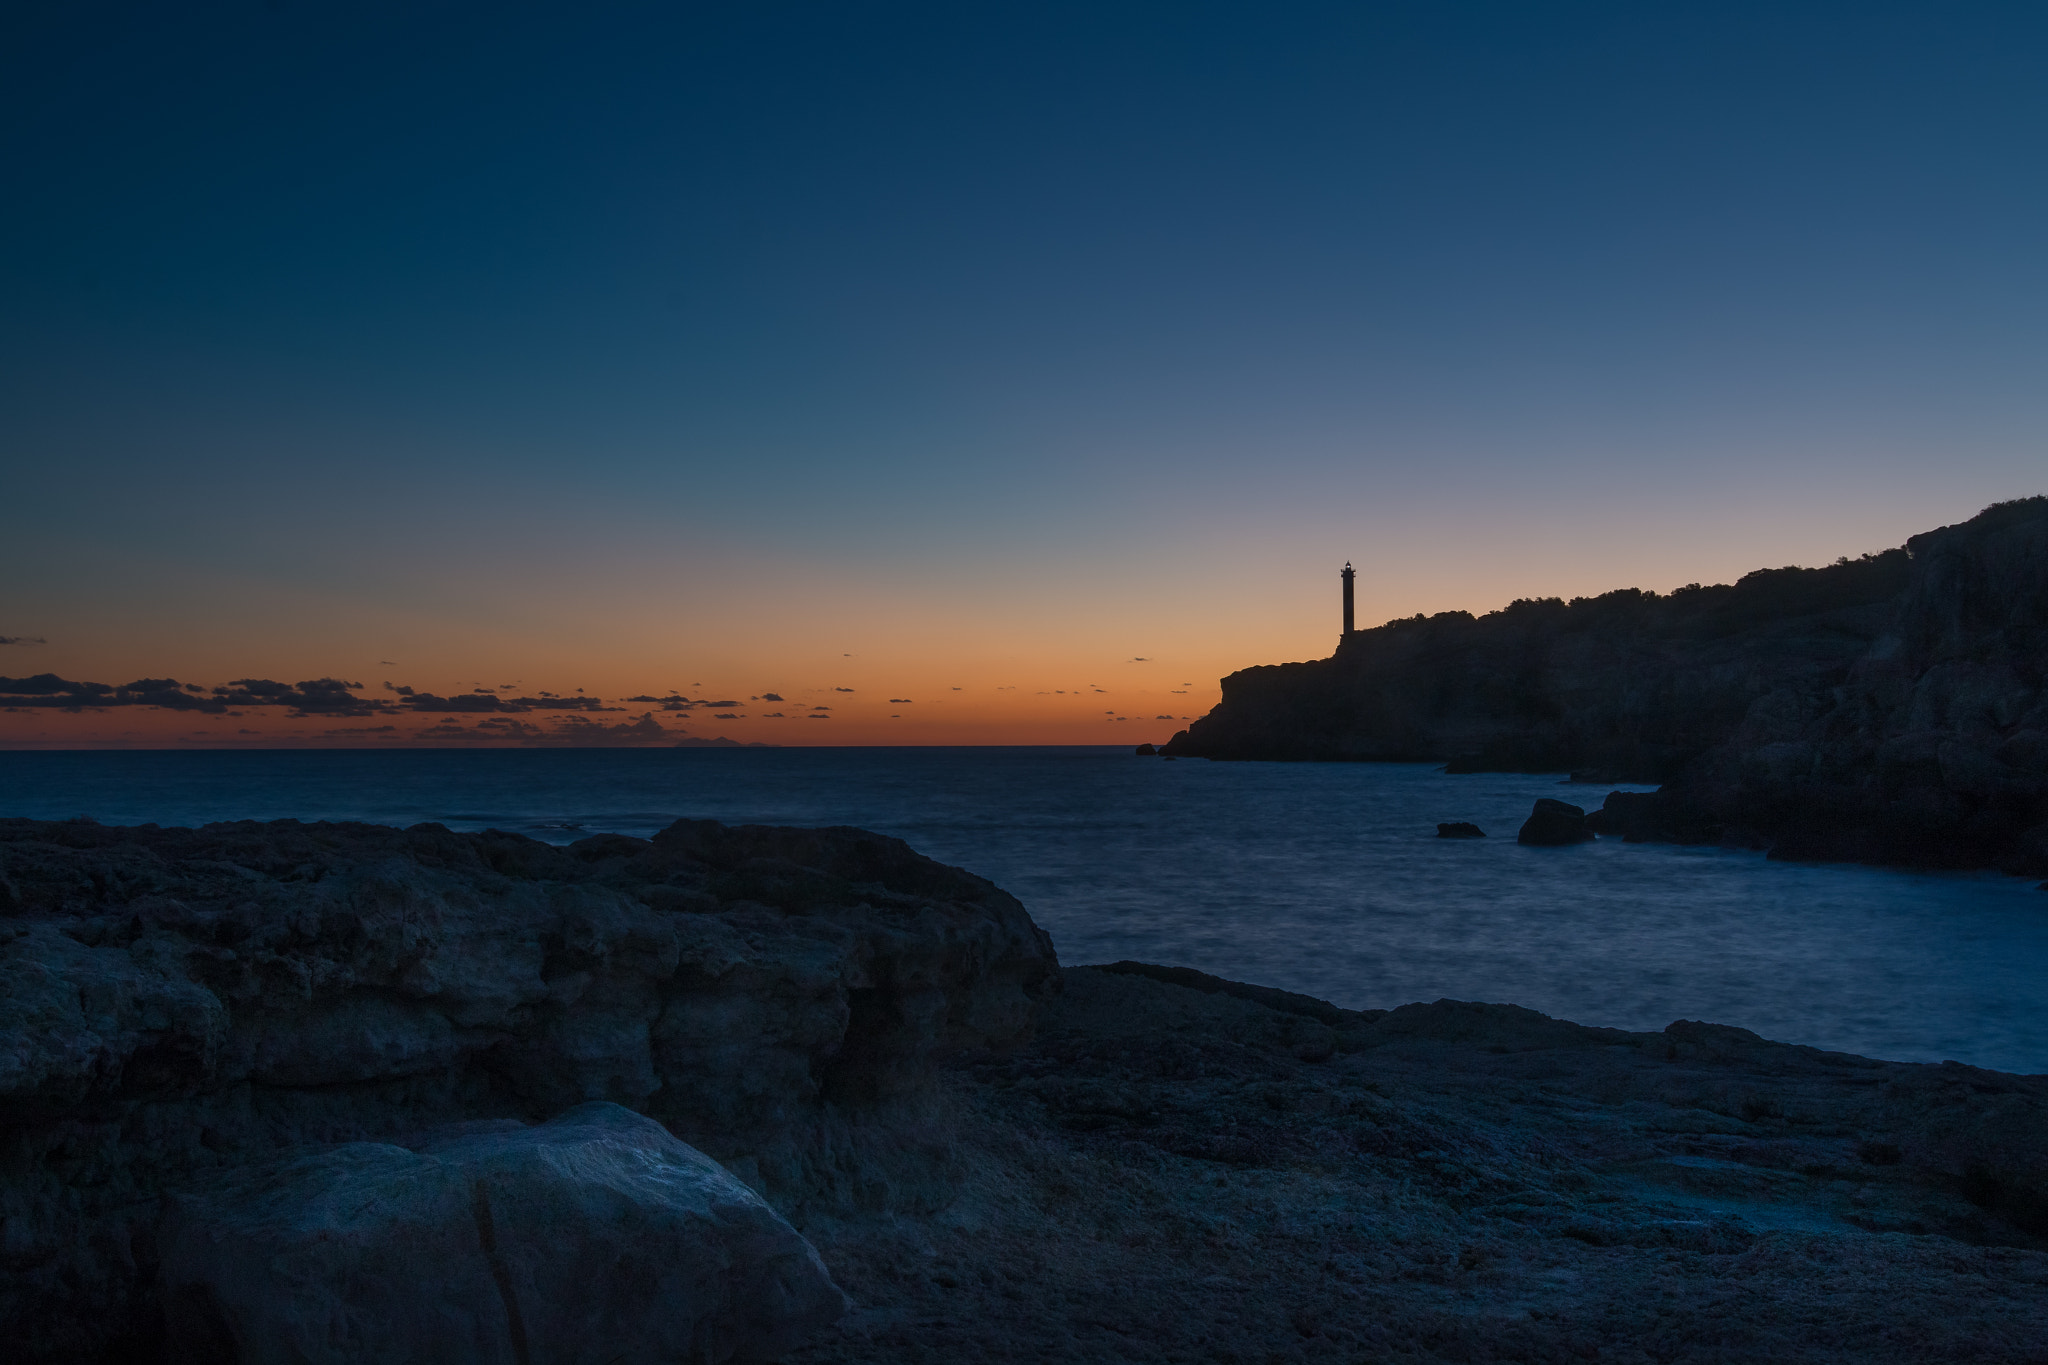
1165	1175
597	1237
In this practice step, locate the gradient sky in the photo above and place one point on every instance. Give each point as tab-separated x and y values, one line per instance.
1037	364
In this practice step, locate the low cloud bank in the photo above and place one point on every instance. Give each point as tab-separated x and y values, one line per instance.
338	699
318	697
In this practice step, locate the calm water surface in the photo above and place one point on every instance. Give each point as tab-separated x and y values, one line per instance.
1322	878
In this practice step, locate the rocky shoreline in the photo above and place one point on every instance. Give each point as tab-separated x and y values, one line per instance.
1892	709
995	1158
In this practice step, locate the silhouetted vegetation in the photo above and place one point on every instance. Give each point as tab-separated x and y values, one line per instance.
1755	599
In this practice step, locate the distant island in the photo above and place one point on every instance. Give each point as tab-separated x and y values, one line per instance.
1885	709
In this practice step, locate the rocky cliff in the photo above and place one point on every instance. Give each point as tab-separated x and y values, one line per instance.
1889	708
175	1001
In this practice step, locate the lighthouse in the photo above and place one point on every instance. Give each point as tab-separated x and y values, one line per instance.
1348	619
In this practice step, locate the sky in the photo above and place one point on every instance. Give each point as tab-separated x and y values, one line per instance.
936	374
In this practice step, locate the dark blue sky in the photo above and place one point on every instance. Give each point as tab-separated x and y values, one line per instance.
490	313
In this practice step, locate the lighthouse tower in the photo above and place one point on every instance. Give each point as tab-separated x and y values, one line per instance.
1349	623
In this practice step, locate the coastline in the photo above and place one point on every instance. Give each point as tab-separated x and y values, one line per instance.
1890	710
993	1155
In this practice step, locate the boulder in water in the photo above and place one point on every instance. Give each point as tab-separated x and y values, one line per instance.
1146	750
597	1235
1555	822
1459	829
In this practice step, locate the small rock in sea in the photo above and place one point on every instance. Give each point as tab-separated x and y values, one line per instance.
1145	750
1459	829
490	1244
1555	822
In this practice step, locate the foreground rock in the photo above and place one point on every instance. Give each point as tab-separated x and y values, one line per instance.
1459	829
236	1024
178	1002
1553	823
596	1236
1891	709
1183	1169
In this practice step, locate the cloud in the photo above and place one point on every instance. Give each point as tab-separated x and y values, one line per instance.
1162	717
49	685
470	703
496	729
900	701
387	663
557	732
770	696
1141	659
725	715
22	640
646	730
427	701
842	689
673	702
775	715
319	696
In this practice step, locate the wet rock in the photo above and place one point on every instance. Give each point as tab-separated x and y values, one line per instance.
508	1244
1554	822
1640	817
1147	750
1459	829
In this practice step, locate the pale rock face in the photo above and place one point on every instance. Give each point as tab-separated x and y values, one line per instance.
596	1237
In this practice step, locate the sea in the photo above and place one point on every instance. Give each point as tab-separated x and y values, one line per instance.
1323	878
